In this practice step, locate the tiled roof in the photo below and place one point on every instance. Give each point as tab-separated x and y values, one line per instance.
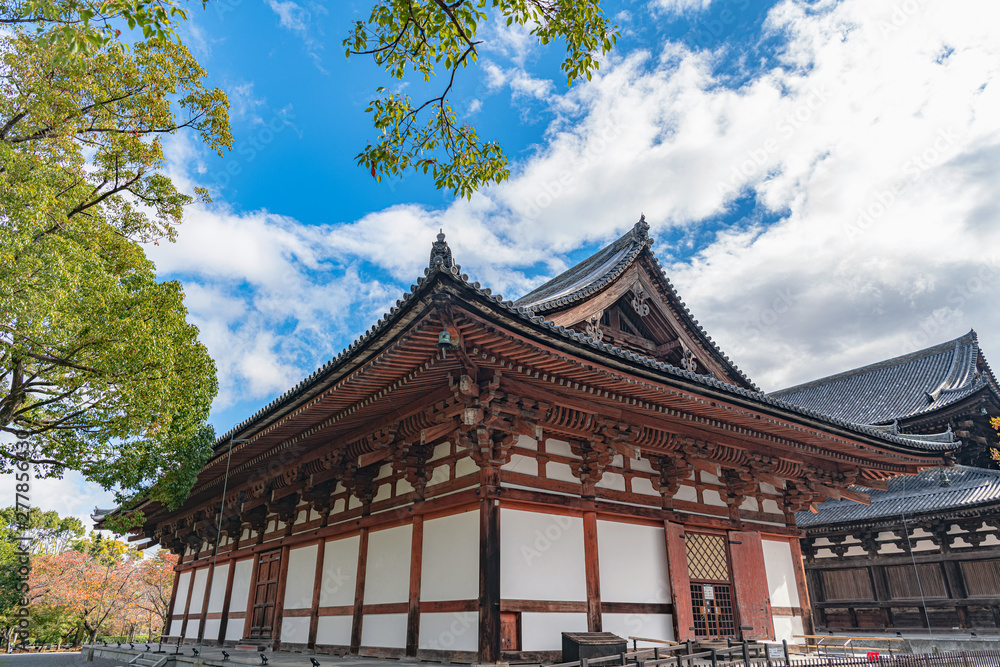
590	275
898	388
604	267
933	491
441	264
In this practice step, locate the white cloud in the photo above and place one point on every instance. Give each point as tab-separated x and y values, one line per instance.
680	6
862	101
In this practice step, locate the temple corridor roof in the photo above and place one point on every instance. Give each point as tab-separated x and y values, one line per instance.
933	491
899	388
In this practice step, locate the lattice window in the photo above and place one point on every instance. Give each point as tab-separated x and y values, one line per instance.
706	556
982	577
903	582
847	584
712	605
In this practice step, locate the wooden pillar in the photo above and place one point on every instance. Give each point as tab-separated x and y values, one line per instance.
359	592
593	570
317	589
956	590
413	612
489	568
880	584
248	619
680	582
279	599
224	623
805	603
204	603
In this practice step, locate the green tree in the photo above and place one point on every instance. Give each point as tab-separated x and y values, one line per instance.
100	370
410	39
438	38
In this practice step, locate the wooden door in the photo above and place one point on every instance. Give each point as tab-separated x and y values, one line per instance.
752	595
510	631
680	583
265	595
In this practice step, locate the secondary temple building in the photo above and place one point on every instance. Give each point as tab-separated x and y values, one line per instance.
475	476
926	552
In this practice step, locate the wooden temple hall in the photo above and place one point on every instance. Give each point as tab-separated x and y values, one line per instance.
475	476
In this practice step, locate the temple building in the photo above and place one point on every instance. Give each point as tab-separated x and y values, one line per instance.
475	476
926	552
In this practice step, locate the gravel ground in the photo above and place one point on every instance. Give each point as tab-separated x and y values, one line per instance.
52	660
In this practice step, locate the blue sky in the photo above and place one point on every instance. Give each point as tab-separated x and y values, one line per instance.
820	177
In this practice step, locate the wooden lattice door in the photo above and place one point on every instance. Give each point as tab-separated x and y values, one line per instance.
265	595
711	585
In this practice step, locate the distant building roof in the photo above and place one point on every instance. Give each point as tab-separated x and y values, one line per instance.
933	491
899	388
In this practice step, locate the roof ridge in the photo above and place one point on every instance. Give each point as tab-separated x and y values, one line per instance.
455	272
885	363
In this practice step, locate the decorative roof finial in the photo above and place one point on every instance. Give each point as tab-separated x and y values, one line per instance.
440	252
641	229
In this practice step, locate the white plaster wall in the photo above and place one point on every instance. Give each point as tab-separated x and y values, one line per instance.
450	560
561	472
440	451
465	466
192	628
786	627
212	629
198	594
301	577
175	627
522	463
183	582
217	595
541	557
780	570
340	573
241	591
688	493
458	631
384	492
560	448
439	475
644	486
889	548
334	630
403	487
295	630
633	563
712	497
384	630
543	632
612	480
387	578
770	506
234	629
650	626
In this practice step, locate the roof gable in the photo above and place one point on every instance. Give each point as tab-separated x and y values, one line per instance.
621	294
899	388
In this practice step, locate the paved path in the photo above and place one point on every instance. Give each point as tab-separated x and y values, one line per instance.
52	660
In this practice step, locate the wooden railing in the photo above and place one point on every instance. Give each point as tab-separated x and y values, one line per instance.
824	643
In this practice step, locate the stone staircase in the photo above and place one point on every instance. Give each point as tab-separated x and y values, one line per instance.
148	660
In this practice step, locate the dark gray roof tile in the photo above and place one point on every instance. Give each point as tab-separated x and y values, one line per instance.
933	491
897	388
